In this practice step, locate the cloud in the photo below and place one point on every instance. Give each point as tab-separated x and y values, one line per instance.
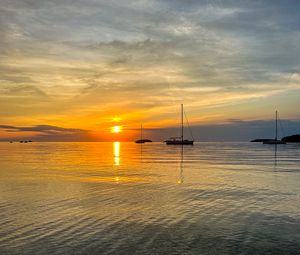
22	90
46	133
69	58
47	129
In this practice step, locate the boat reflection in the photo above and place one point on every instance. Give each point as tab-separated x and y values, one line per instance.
141	153
181	176
275	156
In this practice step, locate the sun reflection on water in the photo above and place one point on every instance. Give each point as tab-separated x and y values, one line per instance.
117	179
116	148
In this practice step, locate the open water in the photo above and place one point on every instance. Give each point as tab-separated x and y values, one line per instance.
127	198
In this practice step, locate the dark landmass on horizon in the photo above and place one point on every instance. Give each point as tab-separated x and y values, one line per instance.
292	139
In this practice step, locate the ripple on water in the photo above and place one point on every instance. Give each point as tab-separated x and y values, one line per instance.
212	198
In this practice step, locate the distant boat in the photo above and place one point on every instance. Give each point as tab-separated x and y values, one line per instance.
26	141
261	140
275	141
142	140
179	140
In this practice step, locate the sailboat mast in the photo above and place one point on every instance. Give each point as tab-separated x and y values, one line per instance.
276	128
182	122
141	131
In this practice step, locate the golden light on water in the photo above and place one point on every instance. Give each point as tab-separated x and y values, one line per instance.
116	129
117	153
117	179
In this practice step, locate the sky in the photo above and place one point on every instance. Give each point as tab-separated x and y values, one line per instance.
71	70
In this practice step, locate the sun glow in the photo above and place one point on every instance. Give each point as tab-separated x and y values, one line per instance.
116	119
116	129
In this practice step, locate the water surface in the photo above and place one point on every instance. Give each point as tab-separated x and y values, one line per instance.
126	198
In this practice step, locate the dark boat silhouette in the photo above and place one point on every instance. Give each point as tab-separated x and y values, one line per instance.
142	140
274	141
260	140
179	140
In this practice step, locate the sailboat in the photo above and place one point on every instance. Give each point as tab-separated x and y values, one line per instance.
275	141
142	140
179	140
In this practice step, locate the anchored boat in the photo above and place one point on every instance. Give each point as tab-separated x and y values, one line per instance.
275	141
142	140
179	140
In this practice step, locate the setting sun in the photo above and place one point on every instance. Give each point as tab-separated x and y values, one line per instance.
116	129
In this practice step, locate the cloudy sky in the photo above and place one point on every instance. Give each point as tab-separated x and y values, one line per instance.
72	69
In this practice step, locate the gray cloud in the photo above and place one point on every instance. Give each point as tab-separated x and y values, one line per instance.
47	133
148	53
47	129
235	44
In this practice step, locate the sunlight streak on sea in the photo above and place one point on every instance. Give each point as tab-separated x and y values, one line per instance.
127	198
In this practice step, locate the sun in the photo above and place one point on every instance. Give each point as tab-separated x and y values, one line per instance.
116	129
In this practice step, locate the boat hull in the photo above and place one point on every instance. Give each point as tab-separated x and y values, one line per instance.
274	142
184	142
143	141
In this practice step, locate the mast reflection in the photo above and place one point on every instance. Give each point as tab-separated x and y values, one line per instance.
181	177
275	156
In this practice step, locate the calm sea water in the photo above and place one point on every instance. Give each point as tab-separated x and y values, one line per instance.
125	198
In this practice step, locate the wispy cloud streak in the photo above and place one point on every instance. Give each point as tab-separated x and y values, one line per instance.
70	61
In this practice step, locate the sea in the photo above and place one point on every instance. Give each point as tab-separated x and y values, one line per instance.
126	198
